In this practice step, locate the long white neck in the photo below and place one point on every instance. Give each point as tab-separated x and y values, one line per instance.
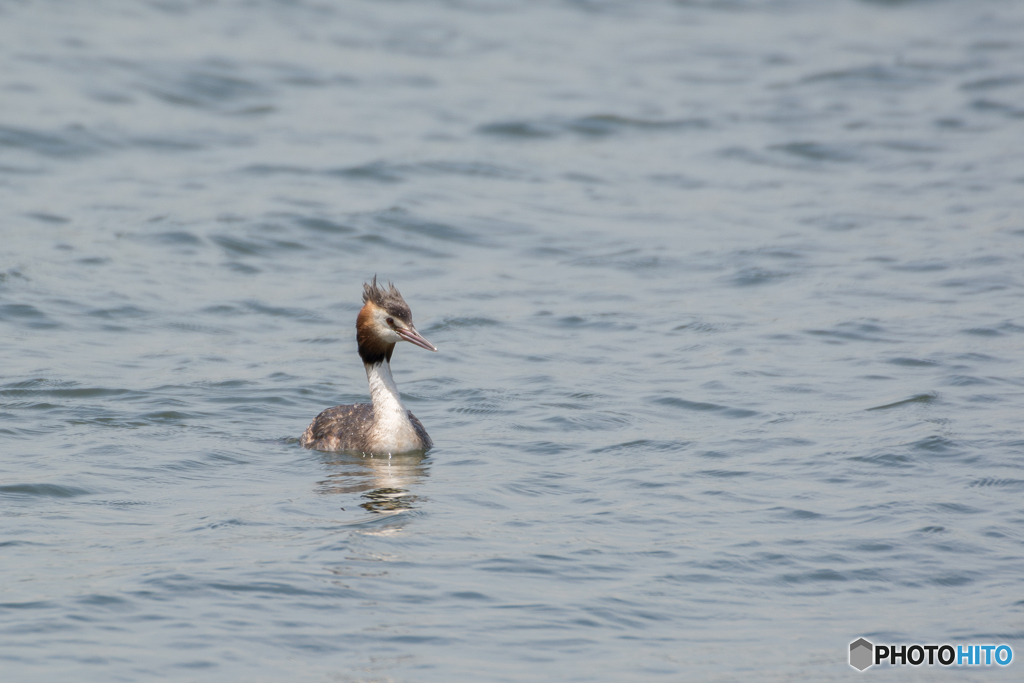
392	430
384	392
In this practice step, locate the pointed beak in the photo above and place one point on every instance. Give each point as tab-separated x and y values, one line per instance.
411	335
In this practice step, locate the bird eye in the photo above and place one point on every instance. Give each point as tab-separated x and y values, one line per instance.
391	321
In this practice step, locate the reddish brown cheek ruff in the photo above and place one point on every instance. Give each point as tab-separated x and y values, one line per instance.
371	348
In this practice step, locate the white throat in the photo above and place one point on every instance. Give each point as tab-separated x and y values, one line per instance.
392	429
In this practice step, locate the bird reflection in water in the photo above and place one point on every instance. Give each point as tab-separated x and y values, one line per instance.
385	482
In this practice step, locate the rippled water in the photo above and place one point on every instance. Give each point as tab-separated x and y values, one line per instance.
728	297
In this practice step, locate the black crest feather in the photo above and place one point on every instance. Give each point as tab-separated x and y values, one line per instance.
389	299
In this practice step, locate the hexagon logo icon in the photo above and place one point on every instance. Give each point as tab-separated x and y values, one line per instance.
861	652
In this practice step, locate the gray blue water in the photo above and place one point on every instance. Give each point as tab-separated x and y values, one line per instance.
728	296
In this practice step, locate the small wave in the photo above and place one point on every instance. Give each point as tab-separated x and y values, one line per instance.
323	225
985	105
403	220
840	221
610	124
936	444
292	312
254	246
885	459
704	407
929	266
459	323
993	83
213	85
851	331
469	168
644	445
168	144
983	332
981	284
177	238
60	388
952	580
27	315
20	170
590	421
597	125
389	172
750	156
874	547
48	218
702	327
470	595
909	146
912	362
119	313
627	259
998	483
678	180
817	151
276	169
755	276
796	513
191	326
544	447
599	322
958	508
99	600
480	408
960	380
518	129
724	474
71	143
693	578
816	576
379	171
173	416
29	604
872	76
44	490
919	398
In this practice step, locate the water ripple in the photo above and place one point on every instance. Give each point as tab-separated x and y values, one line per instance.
43	490
596	125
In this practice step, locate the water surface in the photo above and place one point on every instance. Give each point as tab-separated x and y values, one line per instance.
728	301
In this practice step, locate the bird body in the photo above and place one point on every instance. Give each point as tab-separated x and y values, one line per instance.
384	426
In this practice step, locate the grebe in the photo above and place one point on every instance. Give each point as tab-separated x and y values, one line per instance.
385	426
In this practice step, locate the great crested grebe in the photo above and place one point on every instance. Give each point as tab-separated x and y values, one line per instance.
385	426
